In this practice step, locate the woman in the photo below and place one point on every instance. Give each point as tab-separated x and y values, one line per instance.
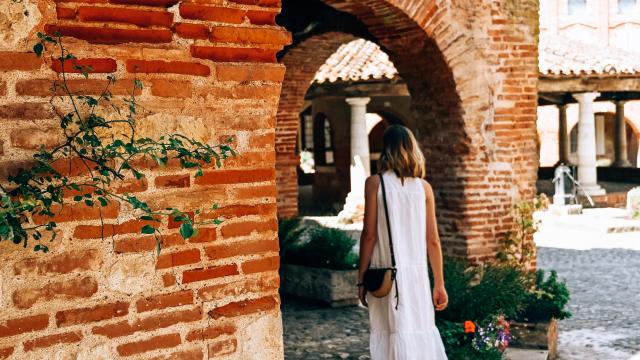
402	323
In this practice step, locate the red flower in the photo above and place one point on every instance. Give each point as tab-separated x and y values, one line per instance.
469	327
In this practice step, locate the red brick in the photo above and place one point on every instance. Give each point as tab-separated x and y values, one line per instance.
146	243
248	227
174	224
131	186
98	65
19	61
164	301
204	235
222	347
244	307
150	323
211	13
159	3
142	18
65	13
265	283
263	140
51	340
6	352
179	258
211	332
43	87
241	248
233	211
245	91
171	67
192	354
217	177
173	181
168	279
246	35
64	263
171	88
3	88
255	192
190	276
258	17
33	139
99	35
78	212
26	111
261	265
91	314
192	31
268	3
227	54
106	230
22	325
24	298
156	342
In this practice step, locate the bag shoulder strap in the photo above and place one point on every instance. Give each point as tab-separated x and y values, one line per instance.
386	214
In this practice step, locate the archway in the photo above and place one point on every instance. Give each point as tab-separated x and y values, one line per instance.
479	162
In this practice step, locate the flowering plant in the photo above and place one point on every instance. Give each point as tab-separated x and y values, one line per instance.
494	334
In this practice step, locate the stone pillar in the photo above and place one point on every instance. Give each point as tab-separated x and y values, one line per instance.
620	139
587	174
360	161
359	135
563	136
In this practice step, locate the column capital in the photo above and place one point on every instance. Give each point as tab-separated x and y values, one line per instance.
585	96
562	106
358	101
620	102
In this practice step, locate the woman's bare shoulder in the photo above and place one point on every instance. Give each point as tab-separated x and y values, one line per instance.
428	190
372	183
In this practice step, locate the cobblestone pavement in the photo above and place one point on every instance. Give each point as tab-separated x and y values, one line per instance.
605	304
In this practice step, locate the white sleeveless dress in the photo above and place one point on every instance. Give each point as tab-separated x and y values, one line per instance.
408	332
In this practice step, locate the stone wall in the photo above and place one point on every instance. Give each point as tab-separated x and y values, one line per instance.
209	71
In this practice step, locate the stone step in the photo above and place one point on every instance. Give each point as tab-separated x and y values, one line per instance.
525	354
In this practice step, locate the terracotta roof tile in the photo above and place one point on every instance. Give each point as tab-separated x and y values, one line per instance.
560	56
357	60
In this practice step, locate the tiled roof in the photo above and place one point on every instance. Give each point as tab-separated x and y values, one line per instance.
357	60
362	60
559	56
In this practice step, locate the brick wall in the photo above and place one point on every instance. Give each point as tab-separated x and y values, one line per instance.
209	71
471	69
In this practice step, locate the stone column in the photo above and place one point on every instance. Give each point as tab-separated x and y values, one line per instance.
587	174
360	161
620	139
563	136
359	135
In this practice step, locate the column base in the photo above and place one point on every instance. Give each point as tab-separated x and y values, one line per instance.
353	210
621	163
593	190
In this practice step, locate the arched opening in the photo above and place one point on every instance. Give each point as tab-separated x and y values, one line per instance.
478	161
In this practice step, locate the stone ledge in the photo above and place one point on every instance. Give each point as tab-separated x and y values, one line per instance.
526	354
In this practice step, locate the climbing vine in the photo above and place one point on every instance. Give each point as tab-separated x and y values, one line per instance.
100	135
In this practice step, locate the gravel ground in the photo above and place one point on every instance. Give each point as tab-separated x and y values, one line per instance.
605	304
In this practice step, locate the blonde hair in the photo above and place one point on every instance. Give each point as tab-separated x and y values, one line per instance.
401	153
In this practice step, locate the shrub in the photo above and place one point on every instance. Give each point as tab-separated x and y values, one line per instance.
478	293
326	248
547	300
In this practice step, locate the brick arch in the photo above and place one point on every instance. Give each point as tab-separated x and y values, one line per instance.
302	62
471	71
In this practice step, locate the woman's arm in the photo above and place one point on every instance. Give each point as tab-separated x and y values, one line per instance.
369	230
434	250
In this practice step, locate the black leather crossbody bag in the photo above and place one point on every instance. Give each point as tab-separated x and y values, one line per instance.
379	281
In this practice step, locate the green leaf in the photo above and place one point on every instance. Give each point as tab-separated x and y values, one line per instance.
103	201
186	230
148	229
38	49
77	198
89	202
